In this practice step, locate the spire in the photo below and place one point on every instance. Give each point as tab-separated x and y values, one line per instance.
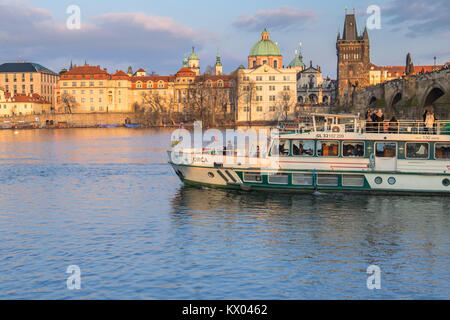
71	65
365	34
218	59
130	71
350	30
265	35
185	62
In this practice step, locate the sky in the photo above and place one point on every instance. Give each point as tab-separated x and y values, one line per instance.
157	35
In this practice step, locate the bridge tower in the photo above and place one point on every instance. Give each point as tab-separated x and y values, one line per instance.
353	58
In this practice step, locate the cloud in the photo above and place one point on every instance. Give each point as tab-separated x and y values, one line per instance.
417	17
116	39
282	18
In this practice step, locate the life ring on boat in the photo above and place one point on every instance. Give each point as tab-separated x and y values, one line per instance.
386	127
372	161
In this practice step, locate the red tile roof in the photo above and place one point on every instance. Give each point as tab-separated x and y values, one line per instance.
34	98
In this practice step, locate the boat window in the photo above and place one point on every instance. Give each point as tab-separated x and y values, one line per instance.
252	177
302	179
386	149
279	178
442	151
417	150
280	148
328	148
350	180
303	147
327	180
353	149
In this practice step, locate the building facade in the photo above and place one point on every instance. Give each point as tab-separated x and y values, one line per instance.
22	104
28	79
313	89
90	89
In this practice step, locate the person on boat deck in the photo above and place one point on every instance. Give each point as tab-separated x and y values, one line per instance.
258	153
369	126
429	121
295	150
393	125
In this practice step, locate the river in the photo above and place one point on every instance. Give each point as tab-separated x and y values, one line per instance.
106	201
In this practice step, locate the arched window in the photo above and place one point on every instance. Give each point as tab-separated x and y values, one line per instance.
220	84
275	64
139	84
150	85
161	84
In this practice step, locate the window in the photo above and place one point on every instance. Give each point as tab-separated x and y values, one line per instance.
328	148
286	78
259	78
442	151
303	148
271	98
302	179
271	88
100	100
252	177
246	78
259	109
74	91
65	84
92	99
101	91
280	148
272	109
258	98
353	149
83	91
349	180
327	179
100	108
259	88
74	84
83	100
100	83
83	84
279	178
91	84
386	149
92	109
271	78
417	150
286	88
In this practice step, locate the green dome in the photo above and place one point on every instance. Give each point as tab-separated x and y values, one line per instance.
297	61
193	55
265	48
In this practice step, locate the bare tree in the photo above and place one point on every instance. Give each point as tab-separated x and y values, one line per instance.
247	94
286	102
68	102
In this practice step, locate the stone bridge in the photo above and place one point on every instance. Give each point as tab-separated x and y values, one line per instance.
408	97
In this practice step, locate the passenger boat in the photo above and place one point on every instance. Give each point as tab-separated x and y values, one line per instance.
331	153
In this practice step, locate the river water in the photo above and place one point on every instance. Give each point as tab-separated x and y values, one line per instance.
106	201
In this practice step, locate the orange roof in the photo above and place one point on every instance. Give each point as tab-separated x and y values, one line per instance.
87	69
185	72
34	98
141	70
152	78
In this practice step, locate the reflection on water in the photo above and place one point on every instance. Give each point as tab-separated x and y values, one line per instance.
106	200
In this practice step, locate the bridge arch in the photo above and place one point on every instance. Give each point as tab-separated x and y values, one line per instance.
372	101
396	99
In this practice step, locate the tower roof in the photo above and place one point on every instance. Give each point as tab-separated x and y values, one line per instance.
265	47
193	55
350	29
297	61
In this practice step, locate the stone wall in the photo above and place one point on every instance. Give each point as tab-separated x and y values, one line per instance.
74	120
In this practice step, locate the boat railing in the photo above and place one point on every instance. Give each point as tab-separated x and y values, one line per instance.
439	127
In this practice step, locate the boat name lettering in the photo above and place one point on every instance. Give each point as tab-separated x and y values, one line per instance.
199	159
329	136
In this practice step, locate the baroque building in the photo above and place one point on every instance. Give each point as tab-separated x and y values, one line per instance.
28	79
313	89
266	90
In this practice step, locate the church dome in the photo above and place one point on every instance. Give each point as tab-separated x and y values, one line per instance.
297	61
193	55
265	47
